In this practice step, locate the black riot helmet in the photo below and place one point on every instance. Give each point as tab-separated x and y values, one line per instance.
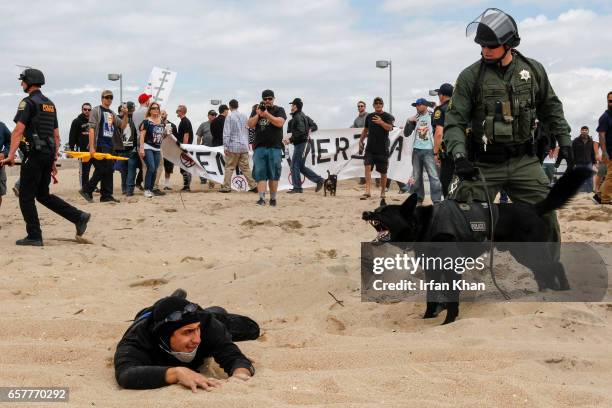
32	76
494	28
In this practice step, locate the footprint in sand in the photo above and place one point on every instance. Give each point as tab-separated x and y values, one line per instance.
334	325
331	254
290	225
253	223
149	282
192	258
564	363
329	385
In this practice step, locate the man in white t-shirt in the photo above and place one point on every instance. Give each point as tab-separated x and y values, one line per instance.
422	153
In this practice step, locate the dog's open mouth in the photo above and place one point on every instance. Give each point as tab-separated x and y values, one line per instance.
383	234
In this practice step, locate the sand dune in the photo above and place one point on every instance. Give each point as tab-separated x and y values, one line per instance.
65	306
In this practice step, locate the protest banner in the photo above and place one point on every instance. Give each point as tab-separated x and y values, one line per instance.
333	150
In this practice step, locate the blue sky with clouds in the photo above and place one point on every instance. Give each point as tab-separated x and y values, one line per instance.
323	51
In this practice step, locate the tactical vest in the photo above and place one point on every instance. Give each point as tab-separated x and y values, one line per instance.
467	222
505	111
39	132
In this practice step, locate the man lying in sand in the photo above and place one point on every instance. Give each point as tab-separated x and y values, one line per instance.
169	341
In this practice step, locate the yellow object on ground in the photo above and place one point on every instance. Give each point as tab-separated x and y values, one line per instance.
85	156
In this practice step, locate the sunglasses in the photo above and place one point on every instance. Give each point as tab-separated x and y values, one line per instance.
86	109
177	315
268	99
154	108
108	97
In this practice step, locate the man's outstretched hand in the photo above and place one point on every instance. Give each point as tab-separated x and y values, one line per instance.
190	379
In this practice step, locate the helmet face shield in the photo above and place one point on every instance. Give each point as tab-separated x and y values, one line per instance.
493	28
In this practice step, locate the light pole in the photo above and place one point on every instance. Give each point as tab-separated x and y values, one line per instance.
119	77
387	64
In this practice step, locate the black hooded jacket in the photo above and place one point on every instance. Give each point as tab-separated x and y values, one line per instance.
78	139
300	126
140	362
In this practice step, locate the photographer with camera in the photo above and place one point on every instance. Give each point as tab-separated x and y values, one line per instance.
268	121
130	151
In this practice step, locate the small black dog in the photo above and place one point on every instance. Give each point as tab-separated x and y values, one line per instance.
330	184
517	222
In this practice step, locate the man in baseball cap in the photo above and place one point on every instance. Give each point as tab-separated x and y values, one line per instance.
421	101
143	98
423	159
443	159
445	89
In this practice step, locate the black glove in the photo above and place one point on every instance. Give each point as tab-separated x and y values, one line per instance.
565	153
464	169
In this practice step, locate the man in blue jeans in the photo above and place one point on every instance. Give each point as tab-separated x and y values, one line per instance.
422	153
300	127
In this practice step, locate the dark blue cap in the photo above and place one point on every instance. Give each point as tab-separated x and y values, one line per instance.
445	89
421	101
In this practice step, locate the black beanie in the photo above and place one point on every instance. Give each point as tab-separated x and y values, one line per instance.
162	309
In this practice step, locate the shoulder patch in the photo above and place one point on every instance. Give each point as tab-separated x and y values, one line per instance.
437	114
22	105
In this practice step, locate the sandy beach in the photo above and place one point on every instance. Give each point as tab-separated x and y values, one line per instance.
66	305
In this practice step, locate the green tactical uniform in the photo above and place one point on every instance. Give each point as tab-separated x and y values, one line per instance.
500	106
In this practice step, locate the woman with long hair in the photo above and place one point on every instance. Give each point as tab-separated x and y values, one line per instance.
151	134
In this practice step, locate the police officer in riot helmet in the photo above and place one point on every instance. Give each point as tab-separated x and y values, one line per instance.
490	120
36	135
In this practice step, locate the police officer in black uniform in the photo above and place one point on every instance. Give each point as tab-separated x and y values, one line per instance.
446	162
37	136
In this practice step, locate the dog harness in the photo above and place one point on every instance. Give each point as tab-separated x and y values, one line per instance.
467	222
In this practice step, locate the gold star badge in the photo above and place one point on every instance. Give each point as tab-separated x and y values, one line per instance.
525	75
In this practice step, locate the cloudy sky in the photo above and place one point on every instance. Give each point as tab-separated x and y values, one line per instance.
323	51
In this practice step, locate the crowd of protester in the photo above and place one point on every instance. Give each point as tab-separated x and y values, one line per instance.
136	133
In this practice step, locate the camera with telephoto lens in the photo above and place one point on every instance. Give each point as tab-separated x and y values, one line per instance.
262	106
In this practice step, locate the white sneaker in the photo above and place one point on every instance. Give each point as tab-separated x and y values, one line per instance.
148	194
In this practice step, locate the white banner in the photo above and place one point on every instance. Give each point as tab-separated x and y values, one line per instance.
160	85
333	150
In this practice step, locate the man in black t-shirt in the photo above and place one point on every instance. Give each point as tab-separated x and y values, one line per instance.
376	130
185	136
216	126
268	121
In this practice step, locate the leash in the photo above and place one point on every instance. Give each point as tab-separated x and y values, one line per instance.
492	249
353	156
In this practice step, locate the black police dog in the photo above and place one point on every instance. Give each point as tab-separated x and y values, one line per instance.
517	222
330	184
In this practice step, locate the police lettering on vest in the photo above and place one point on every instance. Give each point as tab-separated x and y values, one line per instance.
40	119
